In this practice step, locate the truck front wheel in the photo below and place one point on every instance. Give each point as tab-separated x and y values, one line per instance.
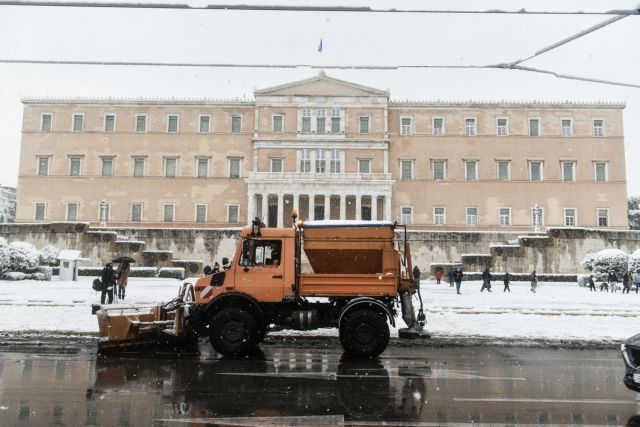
364	333
233	332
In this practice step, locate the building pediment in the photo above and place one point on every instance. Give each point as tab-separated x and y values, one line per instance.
321	85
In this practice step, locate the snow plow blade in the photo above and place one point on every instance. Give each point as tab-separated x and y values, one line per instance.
129	327
410	333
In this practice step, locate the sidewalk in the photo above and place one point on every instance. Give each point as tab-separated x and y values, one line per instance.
557	312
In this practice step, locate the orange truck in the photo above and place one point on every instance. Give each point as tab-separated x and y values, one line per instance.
359	278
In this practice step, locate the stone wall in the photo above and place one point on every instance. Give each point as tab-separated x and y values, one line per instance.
557	250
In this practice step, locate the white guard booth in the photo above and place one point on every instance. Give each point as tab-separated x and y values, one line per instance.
69	260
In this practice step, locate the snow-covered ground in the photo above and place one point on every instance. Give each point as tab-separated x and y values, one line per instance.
556	312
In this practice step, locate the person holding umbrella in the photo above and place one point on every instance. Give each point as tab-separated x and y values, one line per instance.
123	277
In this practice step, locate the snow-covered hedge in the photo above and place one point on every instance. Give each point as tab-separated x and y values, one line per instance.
90	271
143	272
521	277
171	273
606	261
49	255
634	261
18	257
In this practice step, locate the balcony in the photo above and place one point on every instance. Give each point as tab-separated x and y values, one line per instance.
311	176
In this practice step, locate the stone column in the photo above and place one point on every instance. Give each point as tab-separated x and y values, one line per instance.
374	207
358	207
265	208
279	221
312	206
296	203
251	208
387	207
327	207
343	207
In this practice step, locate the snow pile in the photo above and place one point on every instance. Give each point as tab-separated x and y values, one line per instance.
49	255
605	262
18	257
634	262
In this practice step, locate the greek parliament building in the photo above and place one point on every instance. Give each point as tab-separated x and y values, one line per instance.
330	149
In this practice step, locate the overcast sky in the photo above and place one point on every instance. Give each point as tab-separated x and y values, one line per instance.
284	37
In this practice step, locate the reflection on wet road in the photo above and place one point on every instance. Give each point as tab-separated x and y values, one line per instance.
302	386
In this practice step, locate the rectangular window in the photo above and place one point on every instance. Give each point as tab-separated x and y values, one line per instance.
109	122
406	170
305	160
439	216
138	166
321	163
170	167
201	213
503	170
172	123
570	217
568	171
78	122
504	216
469	127
168	213
534	127
202	168
533	220
107	166
600	171
276	164
502	126
439	170
74	166
364	166
43	165
47	122
233	214
603	217
321	125
472	216
535	171
278	124
136	212
234	168
335	161
40	211
72	211
236	124
598	127
335	125
471	170
566	127
364	124
141	123
205	124
107	212
406	215
438	126
405	126
306	120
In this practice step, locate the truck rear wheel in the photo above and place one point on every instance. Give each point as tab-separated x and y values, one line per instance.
233	332
364	333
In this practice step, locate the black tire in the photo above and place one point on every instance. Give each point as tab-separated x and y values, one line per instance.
364	333
233	332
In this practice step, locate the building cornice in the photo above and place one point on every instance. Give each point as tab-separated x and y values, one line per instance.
504	104
137	101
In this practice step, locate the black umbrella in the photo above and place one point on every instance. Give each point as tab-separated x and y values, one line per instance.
121	259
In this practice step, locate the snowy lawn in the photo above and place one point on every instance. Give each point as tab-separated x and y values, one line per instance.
557	311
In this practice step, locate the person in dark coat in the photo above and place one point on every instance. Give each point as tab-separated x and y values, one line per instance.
534	281
486	280
613	282
108	278
507	280
626	282
416	275
451	276
458	278
592	285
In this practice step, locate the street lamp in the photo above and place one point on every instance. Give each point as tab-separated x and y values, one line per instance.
537	217
103	213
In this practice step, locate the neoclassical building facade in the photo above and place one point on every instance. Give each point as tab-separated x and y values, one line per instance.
330	149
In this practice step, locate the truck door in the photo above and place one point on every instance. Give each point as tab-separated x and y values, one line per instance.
261	273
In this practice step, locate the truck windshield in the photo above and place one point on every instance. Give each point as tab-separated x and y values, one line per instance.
261	252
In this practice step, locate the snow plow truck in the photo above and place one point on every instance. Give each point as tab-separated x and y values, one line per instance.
361	275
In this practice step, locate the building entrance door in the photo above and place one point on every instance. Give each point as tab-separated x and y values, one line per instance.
273	216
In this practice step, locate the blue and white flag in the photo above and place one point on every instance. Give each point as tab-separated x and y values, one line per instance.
320	45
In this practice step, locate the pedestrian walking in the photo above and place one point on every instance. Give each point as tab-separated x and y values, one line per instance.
122	279
592	285
108	278
534	281
486	280
451	276
416	275
613	281
438	276
626	282
458	279
636	281
507	280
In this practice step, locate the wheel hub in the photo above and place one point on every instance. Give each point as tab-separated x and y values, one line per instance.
233	332
364	333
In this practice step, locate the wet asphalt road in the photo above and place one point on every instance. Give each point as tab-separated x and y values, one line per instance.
310	383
